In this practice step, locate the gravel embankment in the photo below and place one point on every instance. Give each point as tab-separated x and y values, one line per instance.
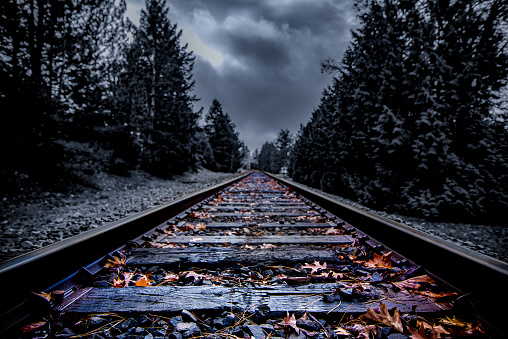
486	239
36	220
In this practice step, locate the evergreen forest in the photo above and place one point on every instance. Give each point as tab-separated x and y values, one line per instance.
412	122
83	89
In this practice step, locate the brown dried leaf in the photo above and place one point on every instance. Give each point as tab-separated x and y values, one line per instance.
423	333
316	266
201	226
291	322
384	317
333	231
340	331
267	246
115	262
33	326
45	295
414	283
380	261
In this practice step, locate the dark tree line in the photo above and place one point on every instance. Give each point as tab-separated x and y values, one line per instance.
406	124
274	155
227	151
84	89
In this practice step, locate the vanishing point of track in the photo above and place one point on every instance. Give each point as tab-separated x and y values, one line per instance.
260	246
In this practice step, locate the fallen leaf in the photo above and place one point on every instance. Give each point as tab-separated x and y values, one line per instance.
332	274
115	262
267	246
45	295
465	327
340	331
316	266
118	283
291	322
384	317
380	261
440	295
333	231
171	277
414	283
197	276
144	281
423	333
201	226
127	277
33	326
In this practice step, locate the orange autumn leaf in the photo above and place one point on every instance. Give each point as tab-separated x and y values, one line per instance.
144	281
118	283
316	266
380	261
115	262
45	295
384	317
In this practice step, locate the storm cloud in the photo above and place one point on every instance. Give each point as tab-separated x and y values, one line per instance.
261	59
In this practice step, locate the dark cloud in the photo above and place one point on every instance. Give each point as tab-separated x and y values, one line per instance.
261	58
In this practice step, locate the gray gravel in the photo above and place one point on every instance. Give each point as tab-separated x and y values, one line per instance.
37	220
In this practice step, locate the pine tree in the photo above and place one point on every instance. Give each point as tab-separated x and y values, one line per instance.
267	157
158	103
407	123
223	139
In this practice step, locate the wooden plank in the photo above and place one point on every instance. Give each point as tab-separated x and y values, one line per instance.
271	300
254	208
287	255
261	203
269	225
265	239
263	214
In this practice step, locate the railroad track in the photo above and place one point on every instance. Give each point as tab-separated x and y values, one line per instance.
246	259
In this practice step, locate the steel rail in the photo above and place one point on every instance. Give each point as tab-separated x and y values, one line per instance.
39	269
482	278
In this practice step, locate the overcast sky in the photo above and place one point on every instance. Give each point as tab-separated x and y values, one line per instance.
261	58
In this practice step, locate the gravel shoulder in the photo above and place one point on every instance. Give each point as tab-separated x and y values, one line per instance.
38	219
491	240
